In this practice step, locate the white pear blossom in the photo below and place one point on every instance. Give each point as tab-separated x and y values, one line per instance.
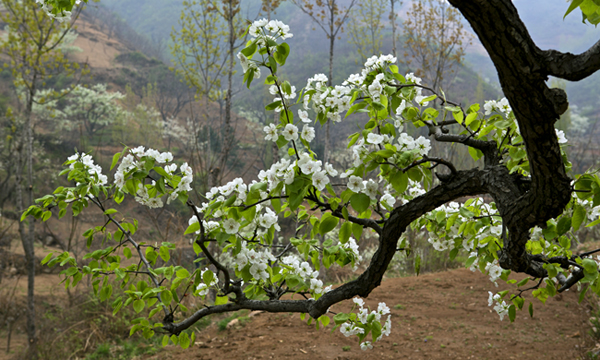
290	132
330	170
320	180
231	226
271	132
562	139
388	200
374	139
308	133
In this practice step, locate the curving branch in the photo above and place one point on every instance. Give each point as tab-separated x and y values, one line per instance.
369	223
209	256
572	67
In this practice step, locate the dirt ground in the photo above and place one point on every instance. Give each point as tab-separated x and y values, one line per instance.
435	316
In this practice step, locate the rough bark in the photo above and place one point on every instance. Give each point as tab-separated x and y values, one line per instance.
522	69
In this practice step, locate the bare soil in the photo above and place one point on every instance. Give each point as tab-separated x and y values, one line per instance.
435	316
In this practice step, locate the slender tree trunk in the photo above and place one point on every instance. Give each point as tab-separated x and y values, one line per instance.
29	239
24	157
393	20
327	149
229	133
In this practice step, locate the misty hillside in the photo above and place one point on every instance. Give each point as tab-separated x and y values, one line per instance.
155	18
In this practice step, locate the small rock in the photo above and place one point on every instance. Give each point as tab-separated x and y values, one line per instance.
232	323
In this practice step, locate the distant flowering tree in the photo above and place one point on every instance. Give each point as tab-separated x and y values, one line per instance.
390	185
91	109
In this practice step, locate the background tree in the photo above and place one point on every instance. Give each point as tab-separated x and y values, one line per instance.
434	41
365	29
203	58
91	110
32	45
393	16
330	16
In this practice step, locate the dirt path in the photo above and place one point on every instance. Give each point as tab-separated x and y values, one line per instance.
435	316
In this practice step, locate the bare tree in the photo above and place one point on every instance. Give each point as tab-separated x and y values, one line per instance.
330	16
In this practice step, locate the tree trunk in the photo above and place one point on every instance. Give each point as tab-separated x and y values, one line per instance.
327	149
27	234
393	20
229	132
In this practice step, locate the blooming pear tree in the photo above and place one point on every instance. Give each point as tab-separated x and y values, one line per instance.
393	183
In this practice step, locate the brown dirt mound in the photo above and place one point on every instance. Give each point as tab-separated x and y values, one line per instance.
435	316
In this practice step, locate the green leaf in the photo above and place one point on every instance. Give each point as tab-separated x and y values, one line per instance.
512	313
360	202
115	160
579	215
574	5
166	297
582	293
221	300
47	258
184	340
182	273
530	309
341	318
192	228
281	141
324	319
357	230
400	181
328	223
354	108
345	232
283	50
165	340
274	105
593	223
519	301
458	116
417	264
163	252
138	305
564	224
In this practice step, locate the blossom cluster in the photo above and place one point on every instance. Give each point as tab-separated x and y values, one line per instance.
352	247
304	271
135	160
285	170
62	16
501	306
502	106
364	320
258	261
331	102
93	169
263	31
275	28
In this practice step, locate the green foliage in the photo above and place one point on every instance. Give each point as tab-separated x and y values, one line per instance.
365	29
